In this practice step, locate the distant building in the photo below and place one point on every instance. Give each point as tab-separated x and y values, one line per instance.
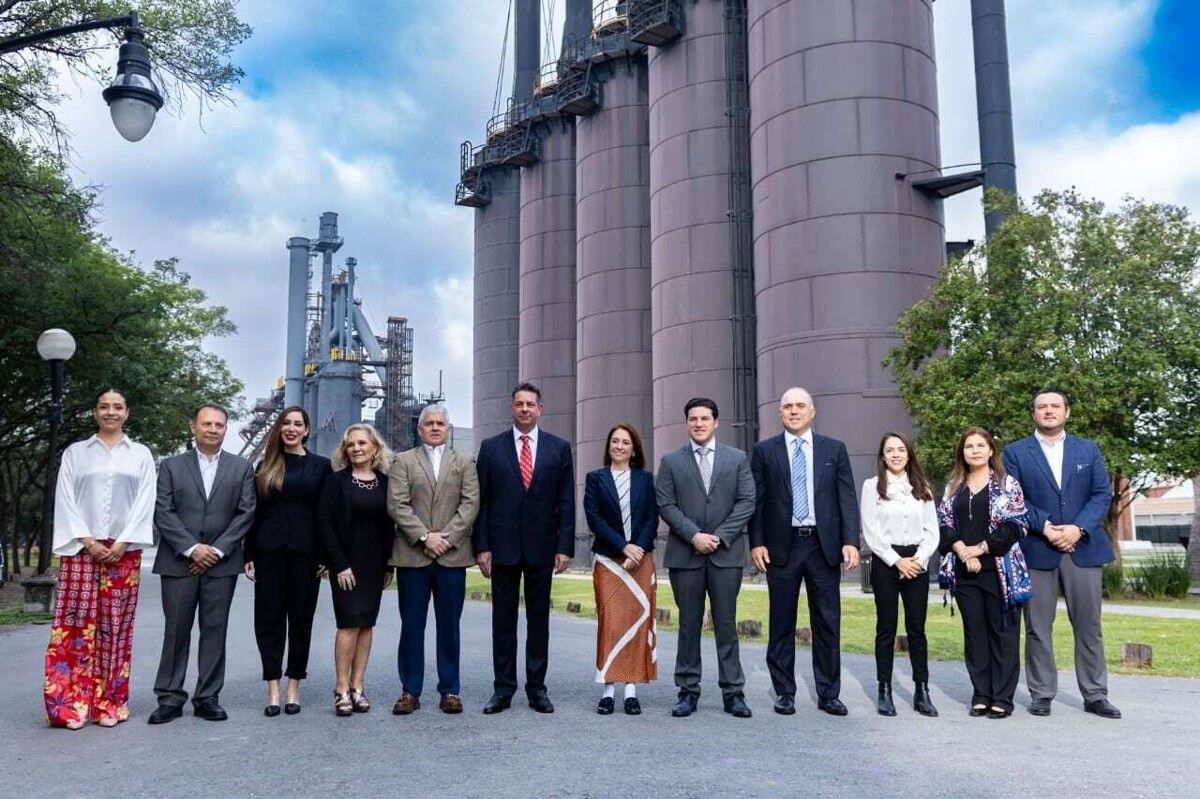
1163	515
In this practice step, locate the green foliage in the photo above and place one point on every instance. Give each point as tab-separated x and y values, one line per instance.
1112	580
1101	303
1163	574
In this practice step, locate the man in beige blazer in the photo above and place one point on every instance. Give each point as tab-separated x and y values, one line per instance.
433	496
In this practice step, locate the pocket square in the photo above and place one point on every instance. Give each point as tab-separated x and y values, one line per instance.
1079	467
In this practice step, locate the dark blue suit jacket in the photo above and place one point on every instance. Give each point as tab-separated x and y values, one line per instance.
602	507
834	498
1083	500
519	526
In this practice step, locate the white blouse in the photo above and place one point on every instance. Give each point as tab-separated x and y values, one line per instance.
901	520
104	493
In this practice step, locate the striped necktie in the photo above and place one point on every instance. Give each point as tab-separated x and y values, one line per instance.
799	482
526	462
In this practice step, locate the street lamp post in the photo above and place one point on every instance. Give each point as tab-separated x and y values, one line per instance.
55	346
133	98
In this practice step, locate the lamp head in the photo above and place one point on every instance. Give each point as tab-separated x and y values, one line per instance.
56	344
133	98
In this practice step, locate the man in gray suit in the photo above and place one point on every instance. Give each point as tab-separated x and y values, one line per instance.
433	497
706	496
205	507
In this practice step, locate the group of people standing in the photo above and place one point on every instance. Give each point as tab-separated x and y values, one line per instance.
422	517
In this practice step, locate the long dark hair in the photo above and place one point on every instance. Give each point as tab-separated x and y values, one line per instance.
270	471
961	469
637	460
916	477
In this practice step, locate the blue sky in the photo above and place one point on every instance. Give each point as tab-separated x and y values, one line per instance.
359	107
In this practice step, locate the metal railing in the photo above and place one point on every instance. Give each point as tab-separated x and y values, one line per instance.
609	16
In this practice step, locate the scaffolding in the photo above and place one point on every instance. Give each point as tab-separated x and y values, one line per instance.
401	399
254	432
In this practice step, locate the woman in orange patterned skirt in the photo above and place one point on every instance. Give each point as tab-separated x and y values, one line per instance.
103	507
622	512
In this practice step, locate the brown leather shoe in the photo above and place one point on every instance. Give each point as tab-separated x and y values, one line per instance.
406	704
450	704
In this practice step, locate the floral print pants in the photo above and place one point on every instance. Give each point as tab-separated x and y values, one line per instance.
91	642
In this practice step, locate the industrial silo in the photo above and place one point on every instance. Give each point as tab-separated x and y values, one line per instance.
843	100
699	225
613	369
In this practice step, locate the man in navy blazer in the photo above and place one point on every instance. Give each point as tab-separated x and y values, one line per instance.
1067	494
525	528
804	535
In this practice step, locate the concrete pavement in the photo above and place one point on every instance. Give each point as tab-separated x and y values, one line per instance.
574	752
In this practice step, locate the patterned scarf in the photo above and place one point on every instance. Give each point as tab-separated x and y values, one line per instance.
1006	504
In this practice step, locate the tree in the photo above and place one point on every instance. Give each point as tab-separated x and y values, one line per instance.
1104	304
190	43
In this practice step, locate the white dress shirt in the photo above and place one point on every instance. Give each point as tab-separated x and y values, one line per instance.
208	474
435	457
792	442
104	493
1052	448
900	520
533	437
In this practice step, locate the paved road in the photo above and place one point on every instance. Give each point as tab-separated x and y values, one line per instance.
576	753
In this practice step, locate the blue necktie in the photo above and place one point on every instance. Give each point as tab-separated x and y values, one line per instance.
799	483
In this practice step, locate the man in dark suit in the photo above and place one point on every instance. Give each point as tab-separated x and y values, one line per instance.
1067	494
205	508
525	529
706	495
805	527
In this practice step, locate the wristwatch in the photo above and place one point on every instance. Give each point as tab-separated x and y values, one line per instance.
424	536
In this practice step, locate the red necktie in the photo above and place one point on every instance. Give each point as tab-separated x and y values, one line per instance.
526	463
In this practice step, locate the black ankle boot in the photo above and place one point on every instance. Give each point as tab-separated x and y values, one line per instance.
921	701
885	705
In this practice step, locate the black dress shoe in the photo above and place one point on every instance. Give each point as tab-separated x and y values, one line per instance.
164	713
921	701
686	706
633	707
785	705
1102	708
271	711
884	704
999	713
737	707
1040	707
833	707
606	706
210	710
978	710
541	702
291	708
497	704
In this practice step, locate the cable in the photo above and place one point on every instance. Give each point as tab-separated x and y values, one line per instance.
503	58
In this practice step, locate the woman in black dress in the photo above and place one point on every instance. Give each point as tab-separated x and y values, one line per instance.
980	519
356	536
281	554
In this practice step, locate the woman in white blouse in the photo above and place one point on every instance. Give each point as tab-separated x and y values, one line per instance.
103	508
899	524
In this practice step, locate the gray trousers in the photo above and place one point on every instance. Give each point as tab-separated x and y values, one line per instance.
181	598
1081	591
722	586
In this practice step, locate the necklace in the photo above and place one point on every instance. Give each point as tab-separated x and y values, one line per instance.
972	493
367	484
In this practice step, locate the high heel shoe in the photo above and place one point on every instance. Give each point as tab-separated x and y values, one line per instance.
884	705
271	711
921	701
342	704
359	701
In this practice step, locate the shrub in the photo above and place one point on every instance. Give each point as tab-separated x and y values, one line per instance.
1163	574
1112	582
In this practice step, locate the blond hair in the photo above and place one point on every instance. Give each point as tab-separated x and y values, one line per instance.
379	462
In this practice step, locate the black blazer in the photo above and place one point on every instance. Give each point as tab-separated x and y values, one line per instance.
333	522
519	526
287	519
602	507
834	498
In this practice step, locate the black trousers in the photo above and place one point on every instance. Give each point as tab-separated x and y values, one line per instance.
286	588
506	591
991	640
806	563
890	590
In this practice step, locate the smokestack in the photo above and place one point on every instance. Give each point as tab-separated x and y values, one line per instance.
297	335
994	99
526	43
578	23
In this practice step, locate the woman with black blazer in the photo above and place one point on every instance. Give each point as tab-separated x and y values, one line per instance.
282	554
622	512
356	540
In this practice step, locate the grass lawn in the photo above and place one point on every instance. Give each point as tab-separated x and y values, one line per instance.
1176	642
